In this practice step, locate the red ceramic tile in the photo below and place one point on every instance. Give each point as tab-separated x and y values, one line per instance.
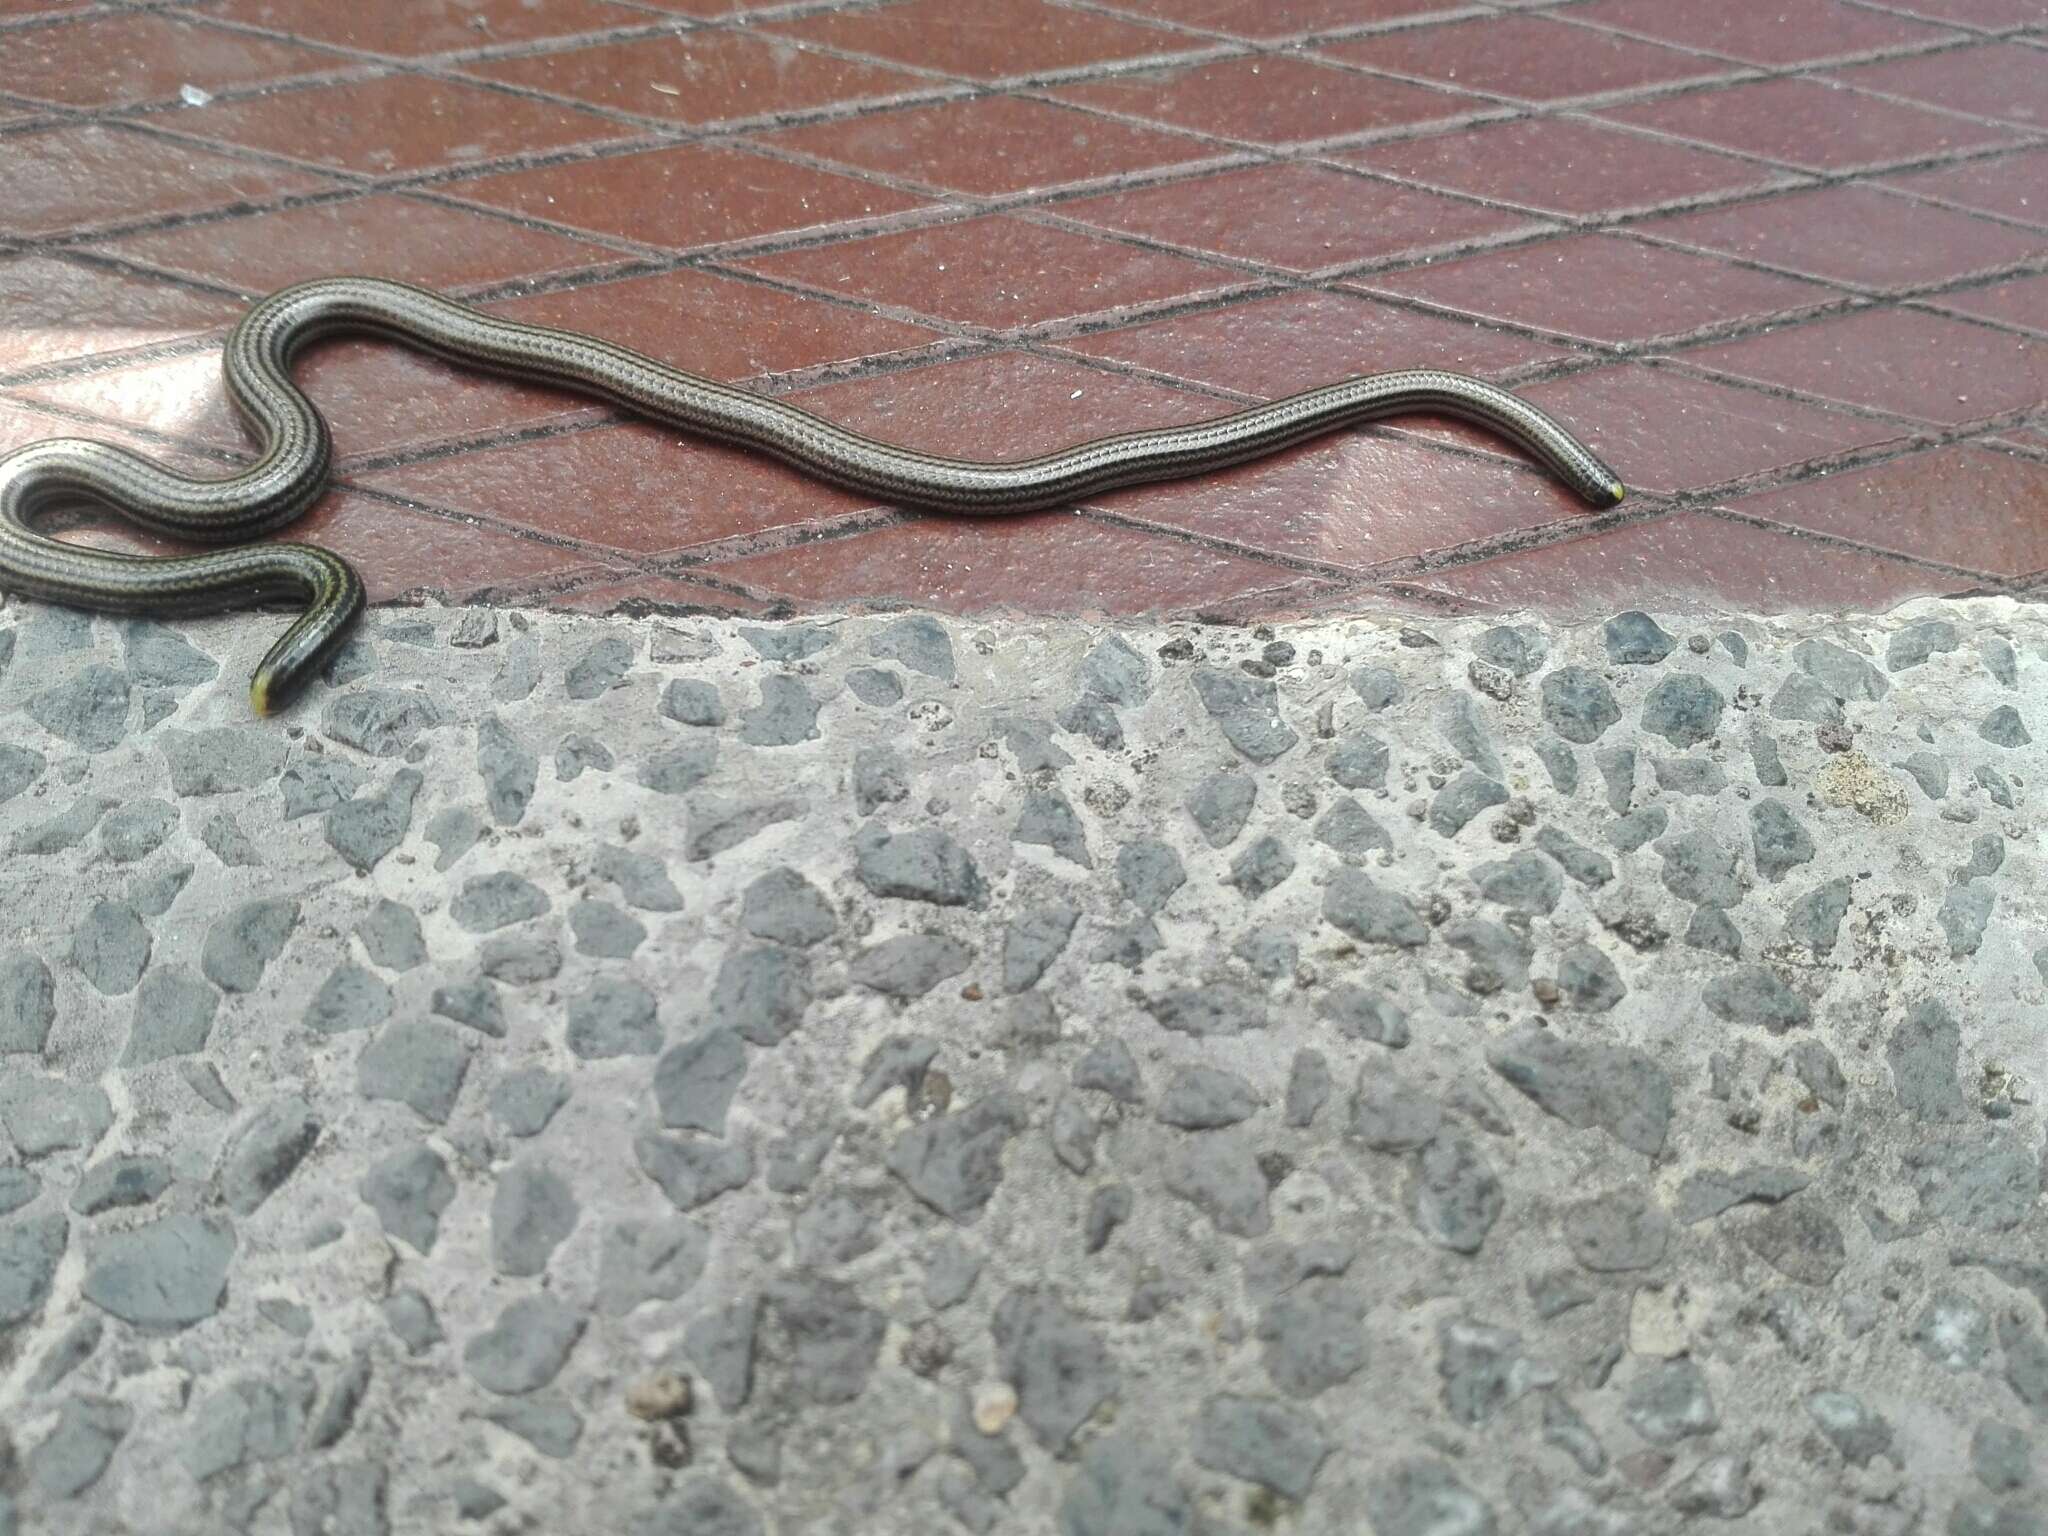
1601	288
638	488
396	125
376	396
1665	431
1767	32
51	310
1967	506
1979	13
21	424
14	8
2012	186
1565	165
2022	302
1354	500
990	40
382	235
996	272
2001	80
1812	124
1046	562
1296	341
1854	234
66	179
719	326
1265	19
992	145
685	197
1298	217
1918	365
1007	405
104	61
1692	557
1525	58
711	76
399	552
1274	99
409	28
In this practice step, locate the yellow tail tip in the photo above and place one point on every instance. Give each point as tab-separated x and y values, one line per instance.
1619	492
259	695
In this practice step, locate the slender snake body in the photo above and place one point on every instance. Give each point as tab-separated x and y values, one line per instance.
293	470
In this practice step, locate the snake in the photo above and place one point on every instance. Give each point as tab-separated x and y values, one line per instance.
292	469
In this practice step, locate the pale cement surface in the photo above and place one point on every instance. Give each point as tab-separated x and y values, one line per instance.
1425	1090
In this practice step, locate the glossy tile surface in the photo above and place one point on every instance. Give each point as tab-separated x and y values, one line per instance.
1780	261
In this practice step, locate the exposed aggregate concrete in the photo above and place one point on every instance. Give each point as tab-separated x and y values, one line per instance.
887	1073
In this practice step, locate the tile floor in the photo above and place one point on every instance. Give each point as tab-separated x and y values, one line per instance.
1784	262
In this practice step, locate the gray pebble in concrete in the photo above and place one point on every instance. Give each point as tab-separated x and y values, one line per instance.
46	1115
694	1082
28	1004
174	1014
1273	1444
169	1274
1221	804
526	1348
263	1152
615	1016
74	1454
30	1250
1247	711
240	945
533	1211
416	1062
351	998
1462	799
1261	867
409	1189
1635	639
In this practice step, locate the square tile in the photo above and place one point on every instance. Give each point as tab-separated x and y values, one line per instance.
1690	558
1000	273
1295	341
1812	124
686	197
1003	405
719	326
637	488
378	397
696	78
1765	32
1266	20
51	310
412	239
1961	505
399	553
63	180
1601	288
1299	218
1354	500
1666	432
1993	14
1044	562
1565	165
2001	80
118	60
1854	234
408	29
1525	58
22	424
396	125
2013	186
992	146
1277	99
990	40
1928	367
2021	302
